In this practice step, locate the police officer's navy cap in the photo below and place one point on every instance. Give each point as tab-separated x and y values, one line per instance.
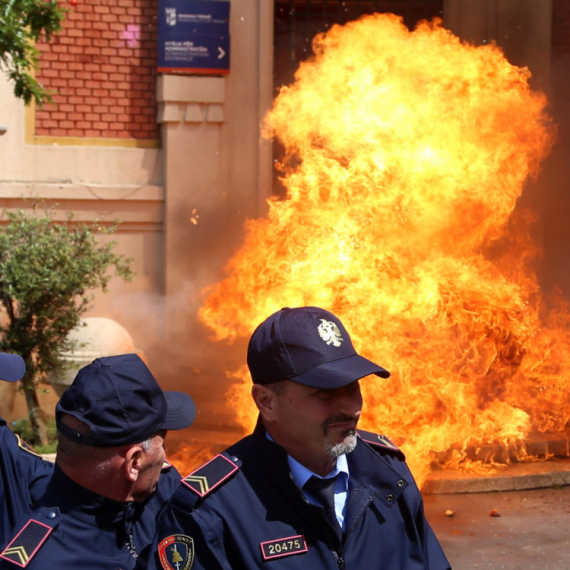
121	402
12	367
309	346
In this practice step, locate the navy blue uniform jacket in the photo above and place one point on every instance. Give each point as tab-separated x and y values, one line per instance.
258	518
23	478
72	528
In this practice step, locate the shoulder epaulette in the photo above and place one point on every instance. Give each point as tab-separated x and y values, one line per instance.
26	446
210	475
166	465
381	441
25	545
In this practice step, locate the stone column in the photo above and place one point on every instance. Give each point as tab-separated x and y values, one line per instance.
217	173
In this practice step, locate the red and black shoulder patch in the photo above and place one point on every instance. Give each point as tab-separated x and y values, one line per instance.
210	475
24	546
382	442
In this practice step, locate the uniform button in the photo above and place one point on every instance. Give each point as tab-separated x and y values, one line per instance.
234	458
390	497
401	483
51	515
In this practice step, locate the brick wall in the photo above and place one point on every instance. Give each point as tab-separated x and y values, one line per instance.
103	68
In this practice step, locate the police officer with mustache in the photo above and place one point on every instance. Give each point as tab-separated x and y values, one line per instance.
306	489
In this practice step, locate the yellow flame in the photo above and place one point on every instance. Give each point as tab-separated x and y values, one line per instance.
406	153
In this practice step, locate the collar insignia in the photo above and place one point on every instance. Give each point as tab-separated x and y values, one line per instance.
176	552
330	333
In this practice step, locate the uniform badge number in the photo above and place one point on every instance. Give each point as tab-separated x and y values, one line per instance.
283	547
176	552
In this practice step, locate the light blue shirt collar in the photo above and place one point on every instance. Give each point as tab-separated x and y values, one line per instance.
301	475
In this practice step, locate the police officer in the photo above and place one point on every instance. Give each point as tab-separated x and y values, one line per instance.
306	489
23	473
110	479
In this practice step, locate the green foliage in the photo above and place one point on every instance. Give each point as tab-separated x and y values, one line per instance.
25	430
22	23
47	273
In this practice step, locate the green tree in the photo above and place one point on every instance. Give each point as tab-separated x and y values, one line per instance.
47	271
22	23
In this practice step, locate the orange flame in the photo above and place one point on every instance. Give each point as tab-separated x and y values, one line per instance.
406	153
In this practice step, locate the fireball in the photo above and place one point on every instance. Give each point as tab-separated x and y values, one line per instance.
405	155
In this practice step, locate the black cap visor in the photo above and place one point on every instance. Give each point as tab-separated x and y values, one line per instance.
180	411
339	373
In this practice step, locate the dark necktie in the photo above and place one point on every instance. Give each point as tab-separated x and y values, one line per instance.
323	491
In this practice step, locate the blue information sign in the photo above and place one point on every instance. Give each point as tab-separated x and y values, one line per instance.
194	36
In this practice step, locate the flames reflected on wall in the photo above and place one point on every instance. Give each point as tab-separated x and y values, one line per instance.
406	153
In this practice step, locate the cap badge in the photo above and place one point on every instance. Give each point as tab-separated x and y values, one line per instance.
330	333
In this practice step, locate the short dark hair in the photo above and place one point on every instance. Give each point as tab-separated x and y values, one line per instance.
278	388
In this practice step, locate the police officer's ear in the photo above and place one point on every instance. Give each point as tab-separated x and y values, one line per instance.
133	462
266	401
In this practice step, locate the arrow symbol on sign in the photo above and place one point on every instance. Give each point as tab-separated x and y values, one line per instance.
221	52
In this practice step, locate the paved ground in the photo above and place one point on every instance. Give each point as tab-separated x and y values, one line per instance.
532	531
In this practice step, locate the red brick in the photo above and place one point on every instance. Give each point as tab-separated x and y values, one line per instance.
101	9
93	133
91	116
76	83
83	92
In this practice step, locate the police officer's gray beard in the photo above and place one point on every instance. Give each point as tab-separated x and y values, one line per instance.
347	445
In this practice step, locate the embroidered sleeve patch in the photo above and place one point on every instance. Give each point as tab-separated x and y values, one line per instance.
210	475
26	543
283	547
176	552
